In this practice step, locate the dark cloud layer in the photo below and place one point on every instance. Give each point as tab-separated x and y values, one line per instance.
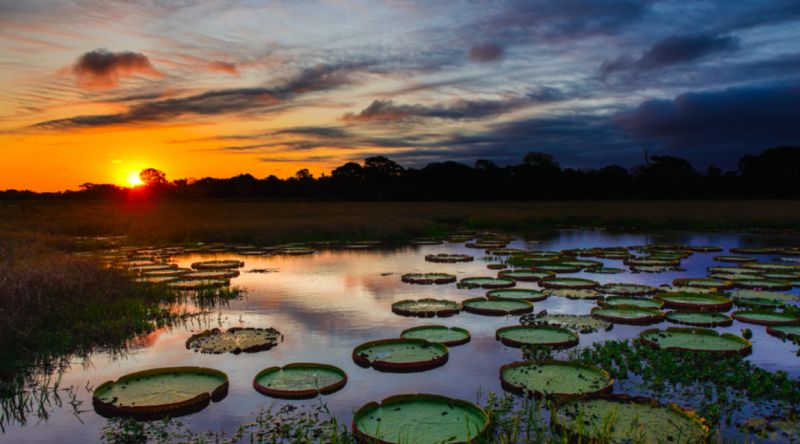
489	52
102	69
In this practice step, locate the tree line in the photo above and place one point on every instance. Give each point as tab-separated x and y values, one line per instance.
771	174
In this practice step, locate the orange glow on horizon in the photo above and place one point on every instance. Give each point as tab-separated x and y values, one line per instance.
133	180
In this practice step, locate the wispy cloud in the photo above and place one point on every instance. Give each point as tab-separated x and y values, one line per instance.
102	69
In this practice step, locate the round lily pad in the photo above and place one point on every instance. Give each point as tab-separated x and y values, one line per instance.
651	262
763	284
583	264
754	250
696	340
790	331
210	274
538	335
300	380
524	275
400	355
718	284
161	392
449	336
554	379
574	293
303	251
428	278
699	318
695	301
733	271
604	270
496	266
157	279
235	340
152	267
734	259
420	419
762	299
685	289
167	272
517	293
627	289
621	418
426	308
486	245
616	301
204	284
426	241
497	306
629	315
486	282
765	317
559	268
760	266
568	283
217	265
449	258
703	248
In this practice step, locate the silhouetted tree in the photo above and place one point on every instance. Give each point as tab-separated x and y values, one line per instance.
153	177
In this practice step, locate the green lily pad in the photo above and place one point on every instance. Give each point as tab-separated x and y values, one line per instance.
734	259
554	379
426	308
763	284
699	318
629	315
574	293
539	335
718	284
428	278
579	323
765	317
627	289
197	285
524	275
486	282
497	306
217	265
448	258
605	270
568	283
695	301
234	340
615	301
517	293
300	380
449	336
790	331
696	340
400	355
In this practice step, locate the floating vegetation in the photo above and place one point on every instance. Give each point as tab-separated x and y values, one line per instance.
167	272
754	250
568	283
685	289
559	268
775	428
717	284
767	298
627	289
621	418
420	419
449	336
527	294
426	308
733	271
761	266
703	248
651	262
428	278
695	301
303	251
699	318
486	282
696	340
496	266
157	279
786	331
765	317
653	268
580	323
400	355
497	306
629	315
616	301
197	285
161	392
217	265
536	335
735	259
583	264
554	379
235	340
763	284
486	245
575	293
300	380
211	274
604	270
426	241
524	275
449	258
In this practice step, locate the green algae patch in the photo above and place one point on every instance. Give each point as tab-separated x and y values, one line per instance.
695	301
426	308
420	418
234	340
526	294
765	317
400	355
763	284
569	283
626	314
486	282
446	258
616	301
300	380
710	283
217	265
497	306
699	318
524	275
578	323
428	278
554	379
449	336
788	331
623	289
156	393
538	335
622	419
696	340
574	293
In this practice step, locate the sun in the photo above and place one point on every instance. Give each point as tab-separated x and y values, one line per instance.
133	179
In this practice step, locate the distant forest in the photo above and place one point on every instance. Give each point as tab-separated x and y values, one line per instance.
775	173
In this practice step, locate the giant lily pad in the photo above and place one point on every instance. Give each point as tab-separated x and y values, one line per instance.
718	284
234	340
486	282
557	379
574	293
790	331
197	285
497	306
695	301
171	391
210	274
765	317
616	301
621	419
763	284
517	293
524	275
448	258
400	355
539	335
627	289
449	336
579	323
300	380
217	265
762	298
558	268
754	250
428	278
426	308
569	283
772	268
734	259
420	419
629	315
696	340
699	318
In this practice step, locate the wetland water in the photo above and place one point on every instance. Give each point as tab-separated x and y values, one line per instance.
327	303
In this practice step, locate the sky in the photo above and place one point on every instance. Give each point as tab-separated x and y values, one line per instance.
94	91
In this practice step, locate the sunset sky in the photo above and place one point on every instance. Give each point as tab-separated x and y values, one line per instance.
93	91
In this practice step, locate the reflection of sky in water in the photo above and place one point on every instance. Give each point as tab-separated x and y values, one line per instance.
328	303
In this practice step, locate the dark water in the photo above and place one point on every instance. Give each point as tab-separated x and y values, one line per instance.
328	303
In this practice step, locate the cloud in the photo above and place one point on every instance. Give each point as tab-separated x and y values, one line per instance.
489	52
672	50
102	69
225	67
